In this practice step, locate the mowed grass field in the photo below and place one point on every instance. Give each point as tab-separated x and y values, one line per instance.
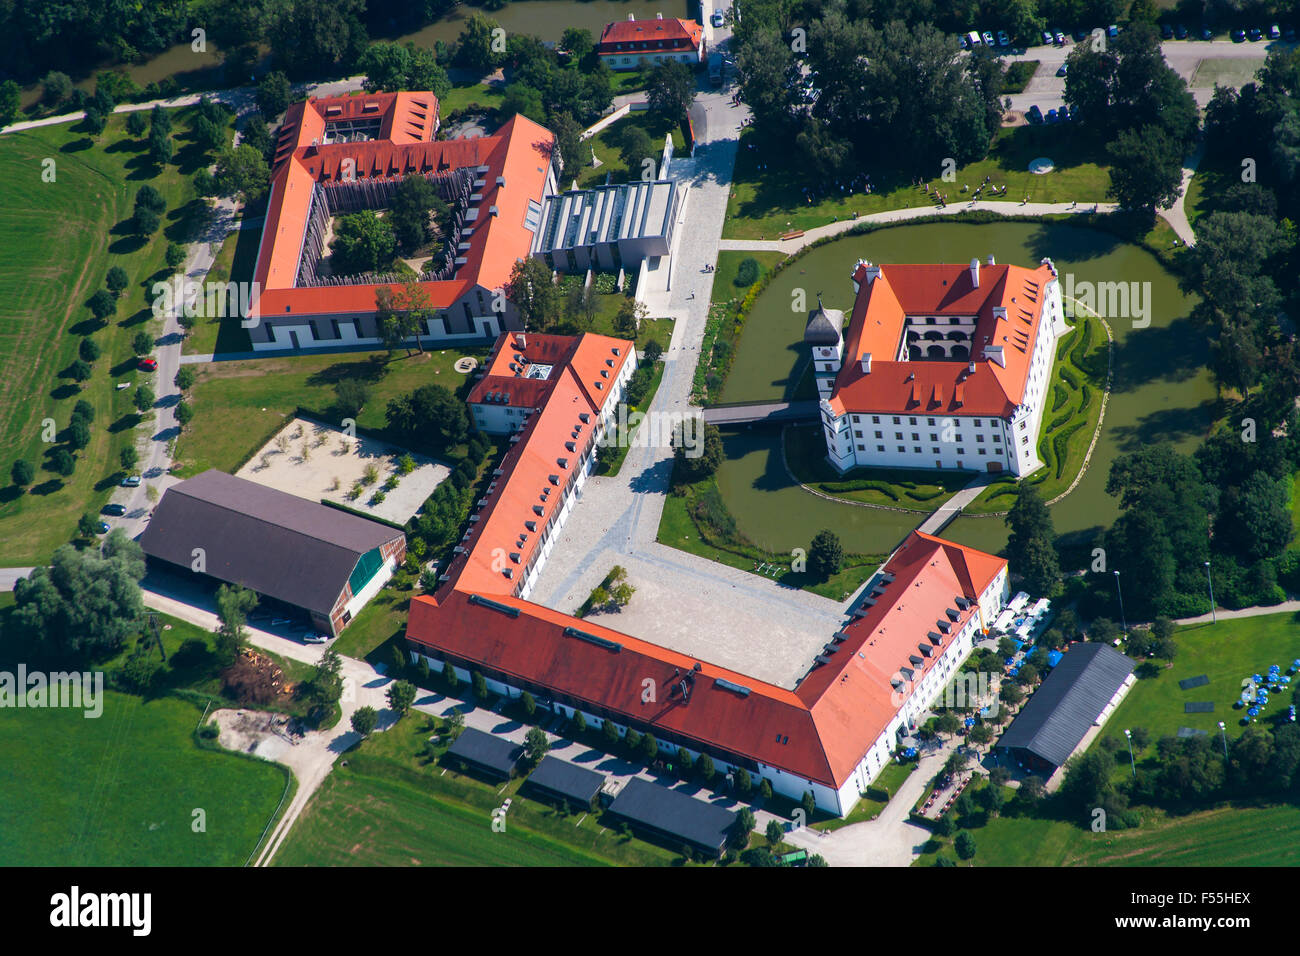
239	405
57	242
121	790
397	804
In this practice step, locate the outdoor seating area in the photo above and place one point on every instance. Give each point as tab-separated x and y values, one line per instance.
945	794
1256	688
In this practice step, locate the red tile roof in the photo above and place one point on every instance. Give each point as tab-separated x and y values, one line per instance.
519	153
670	33
877	325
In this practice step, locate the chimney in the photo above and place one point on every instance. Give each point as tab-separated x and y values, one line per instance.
632	17
971	370
522	340
991	262
975	273
866	363
659	16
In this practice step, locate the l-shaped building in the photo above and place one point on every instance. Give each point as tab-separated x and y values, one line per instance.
917	620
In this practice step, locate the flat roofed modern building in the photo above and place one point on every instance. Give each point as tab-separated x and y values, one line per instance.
326	562
674	817
487	753
1081	692
630	44
942	367
349	153
608	227
557	779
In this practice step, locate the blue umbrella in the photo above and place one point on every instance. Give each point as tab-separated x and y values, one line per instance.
1253	711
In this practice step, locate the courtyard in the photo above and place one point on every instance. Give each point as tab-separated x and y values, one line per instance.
321	462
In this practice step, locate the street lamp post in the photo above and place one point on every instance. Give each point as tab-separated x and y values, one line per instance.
1129	735
1224	734
1214	616
1119	592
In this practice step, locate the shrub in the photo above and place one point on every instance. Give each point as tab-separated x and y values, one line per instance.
747	272
88	350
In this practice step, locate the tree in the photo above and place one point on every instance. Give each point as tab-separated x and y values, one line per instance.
364	720
88	350
534	294
161	147
117	280
449	675
145	222
671	89
185	413
742	828
410	212
536	745
144	398
242	173
634	148
233	606
476	46
529	705
809	804
393	67
102	304
23	473
567	143
10	101
62	462
579	723
629	317
964	845
326	686
83	605
578	43
401	695
56	87
825	555
136	124
774	832
94	122
480	685
273	94
87	525
142	343
704	766
362	243
649	748
184	379
1011	694
1146	169
695	460
78	434
174	255
350	396
80	370
948	723
609	732
315	37
128	457
1031	549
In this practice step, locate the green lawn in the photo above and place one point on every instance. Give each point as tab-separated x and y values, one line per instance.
234	263
765	203
614	465
239	405
464	95
606	145
1225	652
122	790
892	776
61	238
395	804
378	622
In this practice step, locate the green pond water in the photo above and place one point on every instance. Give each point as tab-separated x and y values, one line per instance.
1161	391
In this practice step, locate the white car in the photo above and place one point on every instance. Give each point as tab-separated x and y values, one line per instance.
717	19
313	638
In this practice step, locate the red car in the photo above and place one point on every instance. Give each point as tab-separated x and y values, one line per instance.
148	365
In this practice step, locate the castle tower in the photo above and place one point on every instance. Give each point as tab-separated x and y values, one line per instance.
823	336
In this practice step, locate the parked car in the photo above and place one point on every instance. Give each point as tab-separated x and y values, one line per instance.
104	528
1112	31
1062	69
717	19
1063	113
1274	33
147	365
1051	116
313	638
1238	36
1003	39
1166	32
1256	34
1207	33
1059	38
115	509
965	44
1047	38
1034	114
131	481
987	37
1180	31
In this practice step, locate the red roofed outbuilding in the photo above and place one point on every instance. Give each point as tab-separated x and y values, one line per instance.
629	44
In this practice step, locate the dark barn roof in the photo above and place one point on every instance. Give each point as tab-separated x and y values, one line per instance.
1072	697
275	543
487	751
562	779
673	814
